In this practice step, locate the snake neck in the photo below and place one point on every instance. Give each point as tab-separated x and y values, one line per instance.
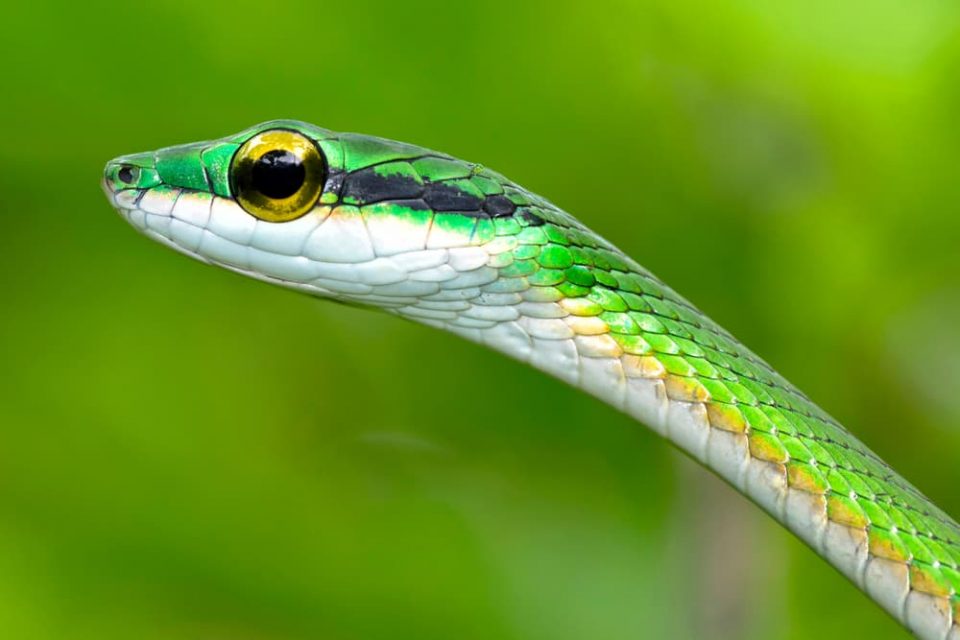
653	356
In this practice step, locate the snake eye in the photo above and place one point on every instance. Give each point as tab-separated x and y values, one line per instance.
277	175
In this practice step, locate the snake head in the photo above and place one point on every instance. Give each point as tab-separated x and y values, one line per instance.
346	216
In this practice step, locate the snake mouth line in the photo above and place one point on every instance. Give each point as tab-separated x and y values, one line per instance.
147	224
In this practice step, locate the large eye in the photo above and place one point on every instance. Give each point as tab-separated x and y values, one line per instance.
277	175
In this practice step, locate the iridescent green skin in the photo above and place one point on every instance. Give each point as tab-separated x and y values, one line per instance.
799	463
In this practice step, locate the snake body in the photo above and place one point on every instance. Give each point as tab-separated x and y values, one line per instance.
455	245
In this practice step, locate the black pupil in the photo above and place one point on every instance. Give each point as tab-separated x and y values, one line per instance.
278	174
126	175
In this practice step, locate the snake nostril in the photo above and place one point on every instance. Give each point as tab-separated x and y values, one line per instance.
127	174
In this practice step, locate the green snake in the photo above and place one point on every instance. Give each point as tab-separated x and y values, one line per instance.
452	244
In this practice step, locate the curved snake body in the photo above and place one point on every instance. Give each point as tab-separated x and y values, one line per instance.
454	245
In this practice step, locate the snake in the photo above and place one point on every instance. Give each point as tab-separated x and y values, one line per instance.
420	234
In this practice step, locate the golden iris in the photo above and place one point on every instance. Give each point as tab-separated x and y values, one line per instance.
277	175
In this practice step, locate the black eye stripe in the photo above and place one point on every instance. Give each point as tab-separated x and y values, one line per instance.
278	174
366	186
499	206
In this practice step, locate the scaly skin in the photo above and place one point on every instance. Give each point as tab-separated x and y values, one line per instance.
454	245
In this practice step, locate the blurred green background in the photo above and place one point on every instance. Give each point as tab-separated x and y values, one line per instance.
189	454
